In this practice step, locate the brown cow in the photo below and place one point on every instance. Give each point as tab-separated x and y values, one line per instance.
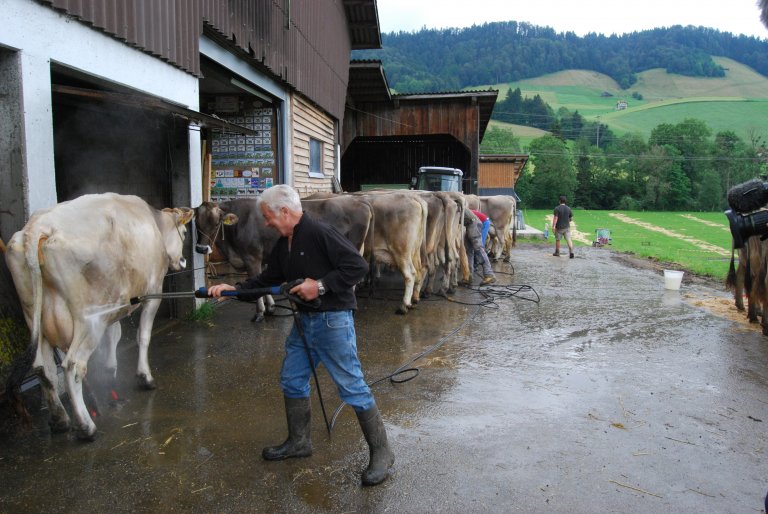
238	230
501	210
400	224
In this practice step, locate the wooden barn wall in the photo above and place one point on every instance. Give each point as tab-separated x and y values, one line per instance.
311	122
168	29
305	43
459	119
497	174
374	162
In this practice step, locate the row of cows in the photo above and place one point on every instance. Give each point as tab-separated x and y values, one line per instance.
77	265
417	233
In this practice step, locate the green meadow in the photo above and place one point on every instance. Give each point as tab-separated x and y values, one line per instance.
737	102
698	242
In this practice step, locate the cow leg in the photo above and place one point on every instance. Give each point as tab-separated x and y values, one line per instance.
409	277
45	367
143	374
507	251
75	367
269	304
111	338
264	305
738	293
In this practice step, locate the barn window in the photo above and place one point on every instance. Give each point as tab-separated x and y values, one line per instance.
315	158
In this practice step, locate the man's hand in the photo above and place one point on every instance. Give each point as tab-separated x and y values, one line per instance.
215	291
307	290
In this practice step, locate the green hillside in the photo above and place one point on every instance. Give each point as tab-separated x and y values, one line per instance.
738	101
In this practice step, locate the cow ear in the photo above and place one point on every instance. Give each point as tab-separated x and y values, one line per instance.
184	215
230	219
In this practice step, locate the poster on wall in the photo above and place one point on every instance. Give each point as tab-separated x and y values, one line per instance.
243	166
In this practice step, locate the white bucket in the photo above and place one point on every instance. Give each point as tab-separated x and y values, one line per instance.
672	279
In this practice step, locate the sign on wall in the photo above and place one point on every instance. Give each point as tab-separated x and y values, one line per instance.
244	166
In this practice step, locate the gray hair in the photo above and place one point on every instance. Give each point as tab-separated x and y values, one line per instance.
280	196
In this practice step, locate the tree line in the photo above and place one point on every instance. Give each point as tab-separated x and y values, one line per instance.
432	60
680	167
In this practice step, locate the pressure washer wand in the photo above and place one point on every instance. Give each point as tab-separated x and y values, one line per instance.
240	294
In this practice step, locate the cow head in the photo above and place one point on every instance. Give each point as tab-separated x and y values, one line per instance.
173	237
210	218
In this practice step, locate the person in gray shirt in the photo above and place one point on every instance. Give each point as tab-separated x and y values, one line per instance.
561	222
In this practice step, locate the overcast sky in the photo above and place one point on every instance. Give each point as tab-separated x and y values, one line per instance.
579	16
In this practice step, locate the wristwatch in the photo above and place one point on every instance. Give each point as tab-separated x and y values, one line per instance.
320	288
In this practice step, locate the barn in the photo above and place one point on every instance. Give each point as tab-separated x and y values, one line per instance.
387	137
174	101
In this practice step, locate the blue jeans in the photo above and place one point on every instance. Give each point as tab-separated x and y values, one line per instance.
331	340
484	232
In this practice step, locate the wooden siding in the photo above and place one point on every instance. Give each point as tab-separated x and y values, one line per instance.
497	174
311	122
457	118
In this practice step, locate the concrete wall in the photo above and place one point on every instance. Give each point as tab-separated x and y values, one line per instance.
32	38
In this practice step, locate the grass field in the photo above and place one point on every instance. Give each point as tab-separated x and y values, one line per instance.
737	102
697	242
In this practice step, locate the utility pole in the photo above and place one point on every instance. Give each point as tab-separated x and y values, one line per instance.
598	132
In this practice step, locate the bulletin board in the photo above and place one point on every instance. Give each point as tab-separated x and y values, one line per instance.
243	166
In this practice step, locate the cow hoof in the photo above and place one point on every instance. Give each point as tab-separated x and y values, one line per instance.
402	310
87	434
257	318
451	290
59	426
145	383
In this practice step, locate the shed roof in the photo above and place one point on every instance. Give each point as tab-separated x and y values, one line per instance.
368	83
363	22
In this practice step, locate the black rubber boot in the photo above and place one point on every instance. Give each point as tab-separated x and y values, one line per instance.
381	456
298	444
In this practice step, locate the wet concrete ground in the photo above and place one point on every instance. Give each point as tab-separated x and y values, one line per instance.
609	395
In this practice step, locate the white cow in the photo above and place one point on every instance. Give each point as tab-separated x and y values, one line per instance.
76	266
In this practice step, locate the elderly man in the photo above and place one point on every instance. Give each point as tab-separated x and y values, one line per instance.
312	250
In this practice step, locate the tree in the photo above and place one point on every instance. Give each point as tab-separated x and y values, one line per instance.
552	175
499	140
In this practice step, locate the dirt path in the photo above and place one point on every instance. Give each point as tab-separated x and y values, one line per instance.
703	245
581	237
705	222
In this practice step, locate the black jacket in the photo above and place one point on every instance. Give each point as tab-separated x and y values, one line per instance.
320	252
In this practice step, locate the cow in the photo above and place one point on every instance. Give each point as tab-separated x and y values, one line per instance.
76	266
501	210
400	223
454	229
350	215
238	230
740	280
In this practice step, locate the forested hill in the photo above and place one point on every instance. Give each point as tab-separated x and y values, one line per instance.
451	59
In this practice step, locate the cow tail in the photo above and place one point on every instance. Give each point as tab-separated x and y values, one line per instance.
369	242
730	279
33	249
423	246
